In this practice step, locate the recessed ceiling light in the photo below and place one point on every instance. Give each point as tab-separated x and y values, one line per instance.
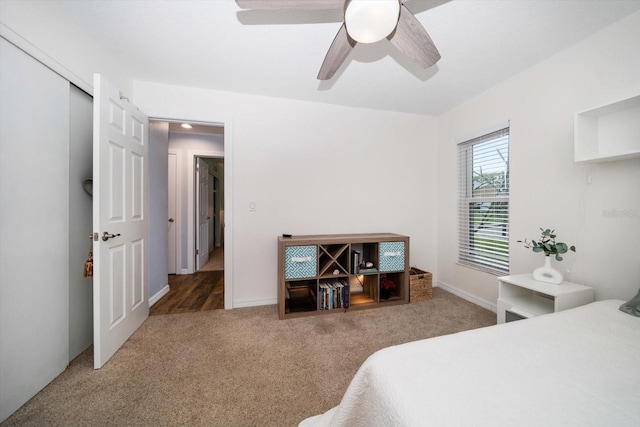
186	125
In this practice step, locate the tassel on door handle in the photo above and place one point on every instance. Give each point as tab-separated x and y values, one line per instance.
106	236
87	272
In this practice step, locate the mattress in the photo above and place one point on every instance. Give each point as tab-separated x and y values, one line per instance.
579	367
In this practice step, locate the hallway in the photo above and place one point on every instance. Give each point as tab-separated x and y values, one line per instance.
192	292
201	291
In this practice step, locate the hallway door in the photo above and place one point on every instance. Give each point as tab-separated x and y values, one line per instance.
202	205
212	213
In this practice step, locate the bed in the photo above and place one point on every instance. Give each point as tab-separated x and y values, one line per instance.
579	367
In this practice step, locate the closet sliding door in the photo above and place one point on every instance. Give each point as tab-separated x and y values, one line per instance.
34	226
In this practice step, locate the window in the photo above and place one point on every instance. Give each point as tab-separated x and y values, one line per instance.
483	176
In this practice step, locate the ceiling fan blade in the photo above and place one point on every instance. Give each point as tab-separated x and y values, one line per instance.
412	39
340	48
290	4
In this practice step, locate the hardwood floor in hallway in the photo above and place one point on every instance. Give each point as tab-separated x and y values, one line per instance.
192	292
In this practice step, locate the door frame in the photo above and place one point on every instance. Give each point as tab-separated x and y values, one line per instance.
224	121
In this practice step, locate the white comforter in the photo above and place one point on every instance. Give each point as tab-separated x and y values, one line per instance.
579	367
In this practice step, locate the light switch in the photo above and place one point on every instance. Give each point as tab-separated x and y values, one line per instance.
252	205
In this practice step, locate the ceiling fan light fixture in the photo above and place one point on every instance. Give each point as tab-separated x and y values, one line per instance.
370	21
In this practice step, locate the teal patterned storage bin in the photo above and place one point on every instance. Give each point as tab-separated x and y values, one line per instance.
391	256
300	262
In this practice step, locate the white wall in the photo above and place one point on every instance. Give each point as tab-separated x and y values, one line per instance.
34	227
312	169
80	221
548	188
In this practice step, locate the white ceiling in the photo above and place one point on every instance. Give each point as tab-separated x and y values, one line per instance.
214	44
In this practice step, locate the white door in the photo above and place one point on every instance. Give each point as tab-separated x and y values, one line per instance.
172	188
210	212
202	205
120	215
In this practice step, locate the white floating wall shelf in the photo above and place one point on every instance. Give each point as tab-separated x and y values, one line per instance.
610	132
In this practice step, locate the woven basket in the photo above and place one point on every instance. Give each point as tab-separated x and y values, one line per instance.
420	288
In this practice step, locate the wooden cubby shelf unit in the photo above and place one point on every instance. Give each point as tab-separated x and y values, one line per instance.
319	274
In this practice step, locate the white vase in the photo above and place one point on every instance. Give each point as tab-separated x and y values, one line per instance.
547	273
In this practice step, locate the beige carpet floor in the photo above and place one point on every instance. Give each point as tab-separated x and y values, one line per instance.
241	367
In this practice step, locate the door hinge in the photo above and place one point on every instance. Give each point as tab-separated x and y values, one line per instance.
197	251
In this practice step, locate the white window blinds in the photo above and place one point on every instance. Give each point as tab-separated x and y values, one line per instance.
483	191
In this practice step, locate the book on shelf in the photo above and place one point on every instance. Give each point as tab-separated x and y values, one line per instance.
367	270
337	286
345	294
333	295
355	261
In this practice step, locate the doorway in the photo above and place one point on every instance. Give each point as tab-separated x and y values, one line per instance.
189	293
196	228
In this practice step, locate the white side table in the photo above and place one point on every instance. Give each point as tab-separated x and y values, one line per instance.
521	297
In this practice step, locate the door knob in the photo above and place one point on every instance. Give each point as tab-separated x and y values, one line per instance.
171	219
106	236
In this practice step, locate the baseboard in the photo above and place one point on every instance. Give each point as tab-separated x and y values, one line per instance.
185	271
467	296
154	299
254	302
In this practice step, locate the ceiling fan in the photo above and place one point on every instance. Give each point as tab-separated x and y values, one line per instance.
365	21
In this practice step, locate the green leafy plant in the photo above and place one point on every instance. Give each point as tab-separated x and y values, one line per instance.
548	244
